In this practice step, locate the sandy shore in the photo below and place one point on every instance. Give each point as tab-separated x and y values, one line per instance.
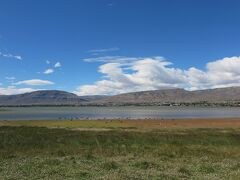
129	124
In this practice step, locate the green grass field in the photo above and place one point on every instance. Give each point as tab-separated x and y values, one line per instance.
58	153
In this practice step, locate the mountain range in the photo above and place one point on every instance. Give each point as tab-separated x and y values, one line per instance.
160	97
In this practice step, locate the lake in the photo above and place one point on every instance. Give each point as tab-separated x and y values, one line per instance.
124	112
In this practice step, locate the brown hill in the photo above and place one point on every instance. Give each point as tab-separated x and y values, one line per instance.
53	97
176	96
46	97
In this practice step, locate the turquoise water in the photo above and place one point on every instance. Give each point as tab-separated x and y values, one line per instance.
126	112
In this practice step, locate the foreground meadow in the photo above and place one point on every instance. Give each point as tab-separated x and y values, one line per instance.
120	150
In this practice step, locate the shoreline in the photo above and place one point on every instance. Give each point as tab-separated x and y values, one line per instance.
141	124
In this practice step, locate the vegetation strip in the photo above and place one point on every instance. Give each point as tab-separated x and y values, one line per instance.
158	153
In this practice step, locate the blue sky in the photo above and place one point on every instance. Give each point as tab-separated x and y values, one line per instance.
116	46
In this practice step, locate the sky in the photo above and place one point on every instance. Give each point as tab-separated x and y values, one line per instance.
107	47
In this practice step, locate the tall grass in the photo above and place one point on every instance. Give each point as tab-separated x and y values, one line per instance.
37	152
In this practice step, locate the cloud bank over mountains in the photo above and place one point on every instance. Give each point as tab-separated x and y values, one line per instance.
128	74
14	90
120	74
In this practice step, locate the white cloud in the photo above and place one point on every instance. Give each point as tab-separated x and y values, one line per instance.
220	73
10	78
124	74
104	50
11	56
10	90
58	65
48	71
113	59
35	82
51	70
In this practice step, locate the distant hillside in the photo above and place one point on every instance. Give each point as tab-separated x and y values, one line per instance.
219	95
53	97
94	98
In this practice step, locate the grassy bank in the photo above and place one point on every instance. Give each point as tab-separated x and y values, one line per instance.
178	153
147	125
